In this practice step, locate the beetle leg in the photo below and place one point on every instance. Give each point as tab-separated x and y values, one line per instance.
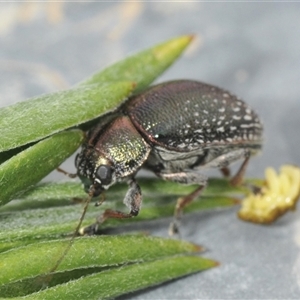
224	160
185	177
188	177
225	172
133	200
181	203
237	179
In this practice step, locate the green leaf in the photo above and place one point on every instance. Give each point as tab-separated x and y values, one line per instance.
87	252
55	191
215	186
53	223
39	117
44	115
31	165
115	282
21	268
10	153
143	67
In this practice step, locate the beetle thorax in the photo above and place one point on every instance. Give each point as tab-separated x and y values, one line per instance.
122	145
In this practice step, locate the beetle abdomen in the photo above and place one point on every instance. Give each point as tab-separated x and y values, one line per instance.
186	115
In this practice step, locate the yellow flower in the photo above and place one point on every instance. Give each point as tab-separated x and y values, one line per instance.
279	194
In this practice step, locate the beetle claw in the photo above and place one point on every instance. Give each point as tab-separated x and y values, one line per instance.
89	230
174	228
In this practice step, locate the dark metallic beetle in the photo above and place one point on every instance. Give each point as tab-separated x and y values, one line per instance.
174	129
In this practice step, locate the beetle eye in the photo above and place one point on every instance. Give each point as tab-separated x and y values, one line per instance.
104	174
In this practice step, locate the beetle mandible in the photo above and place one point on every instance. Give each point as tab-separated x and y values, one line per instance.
175	129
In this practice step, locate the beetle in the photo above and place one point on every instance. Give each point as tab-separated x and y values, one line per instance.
175	129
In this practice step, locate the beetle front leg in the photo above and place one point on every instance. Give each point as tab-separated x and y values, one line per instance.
188	177
133	200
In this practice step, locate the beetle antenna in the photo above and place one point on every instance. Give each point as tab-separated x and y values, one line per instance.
67	249
70	175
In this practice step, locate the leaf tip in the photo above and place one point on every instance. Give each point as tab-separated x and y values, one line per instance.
215	263
191	37
185	40
198	248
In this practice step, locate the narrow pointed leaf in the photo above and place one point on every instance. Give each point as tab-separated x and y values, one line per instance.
39	258
31	165
69	190
215	186
120	281
61	221
42	116
39	117
144	66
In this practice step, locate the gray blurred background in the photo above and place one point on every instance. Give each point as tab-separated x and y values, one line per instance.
251	49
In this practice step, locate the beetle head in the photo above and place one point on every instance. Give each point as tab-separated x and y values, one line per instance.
96	172
112	153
